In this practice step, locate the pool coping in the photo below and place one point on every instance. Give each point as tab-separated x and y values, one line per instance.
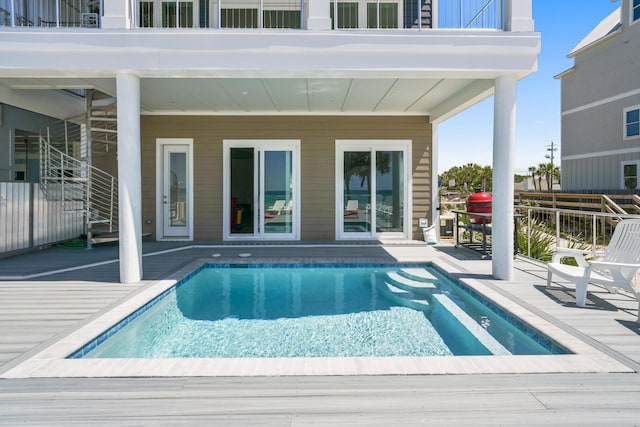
52	361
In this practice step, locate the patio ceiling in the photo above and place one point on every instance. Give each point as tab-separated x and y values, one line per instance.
251	95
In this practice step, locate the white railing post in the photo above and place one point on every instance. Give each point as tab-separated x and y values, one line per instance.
594	239
219	4
529	232
58	14
557	229
111	203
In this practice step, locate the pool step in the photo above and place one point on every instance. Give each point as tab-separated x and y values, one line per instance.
410	285
402	296
453	316
418	274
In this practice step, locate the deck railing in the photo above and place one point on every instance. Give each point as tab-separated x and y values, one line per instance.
263	14
547	229
51	14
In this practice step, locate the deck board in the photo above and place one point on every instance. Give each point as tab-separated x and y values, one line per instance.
36	312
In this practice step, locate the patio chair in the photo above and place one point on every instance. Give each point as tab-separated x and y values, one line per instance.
616	270
276	207
352	208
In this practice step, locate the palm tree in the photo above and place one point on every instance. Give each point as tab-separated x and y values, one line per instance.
542	172
532	171
555	174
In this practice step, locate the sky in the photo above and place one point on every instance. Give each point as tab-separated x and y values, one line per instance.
468	136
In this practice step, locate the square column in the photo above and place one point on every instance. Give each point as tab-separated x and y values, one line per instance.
504	142
129	178
319	16
518	15
117	14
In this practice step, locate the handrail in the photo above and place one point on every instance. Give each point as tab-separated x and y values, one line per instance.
555	228
77	185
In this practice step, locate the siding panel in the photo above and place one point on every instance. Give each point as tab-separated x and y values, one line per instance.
317	156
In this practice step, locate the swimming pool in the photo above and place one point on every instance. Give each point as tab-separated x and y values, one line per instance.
289	311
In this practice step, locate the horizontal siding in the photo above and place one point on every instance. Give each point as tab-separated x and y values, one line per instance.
317	136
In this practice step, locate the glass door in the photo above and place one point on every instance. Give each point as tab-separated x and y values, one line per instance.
261	187
373	183
176	191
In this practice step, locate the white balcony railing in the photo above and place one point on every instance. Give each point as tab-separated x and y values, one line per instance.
264	14
51	13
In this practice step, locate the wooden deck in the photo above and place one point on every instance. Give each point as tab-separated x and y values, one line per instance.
44	308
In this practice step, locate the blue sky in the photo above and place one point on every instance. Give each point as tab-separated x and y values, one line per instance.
468	136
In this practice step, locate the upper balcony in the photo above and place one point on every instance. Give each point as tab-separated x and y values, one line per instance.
416	15
432	57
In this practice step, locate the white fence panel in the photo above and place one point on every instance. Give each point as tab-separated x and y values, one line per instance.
28	219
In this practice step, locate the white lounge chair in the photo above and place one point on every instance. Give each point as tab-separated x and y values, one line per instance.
352	208
616	270
277	207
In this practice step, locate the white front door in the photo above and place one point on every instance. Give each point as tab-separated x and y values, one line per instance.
175	195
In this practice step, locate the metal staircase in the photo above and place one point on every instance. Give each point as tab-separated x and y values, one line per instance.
66	171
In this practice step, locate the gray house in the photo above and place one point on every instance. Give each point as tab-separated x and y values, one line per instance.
601	106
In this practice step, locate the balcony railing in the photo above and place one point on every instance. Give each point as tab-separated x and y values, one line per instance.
261	14
51	13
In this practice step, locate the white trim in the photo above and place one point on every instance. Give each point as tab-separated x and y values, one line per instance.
373	145
626	163
624	123
160	143
631	20
261	144
282	113
601	154
601	102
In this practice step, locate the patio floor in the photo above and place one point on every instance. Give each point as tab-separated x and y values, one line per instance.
38	309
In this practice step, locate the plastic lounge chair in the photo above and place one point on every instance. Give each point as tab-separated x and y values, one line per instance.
277	207
616	270
352	208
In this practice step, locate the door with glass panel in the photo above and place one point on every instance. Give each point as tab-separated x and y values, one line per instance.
372	184
261	190
176	191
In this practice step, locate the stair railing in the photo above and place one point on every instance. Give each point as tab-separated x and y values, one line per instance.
77	185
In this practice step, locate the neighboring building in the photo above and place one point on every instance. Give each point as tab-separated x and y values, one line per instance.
253	121
601	106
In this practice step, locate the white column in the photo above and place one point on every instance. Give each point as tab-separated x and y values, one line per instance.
435	195
117	14
504	141
518	15
319	17
129	178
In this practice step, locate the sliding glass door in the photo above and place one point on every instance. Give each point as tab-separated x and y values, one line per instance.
261	189
372	182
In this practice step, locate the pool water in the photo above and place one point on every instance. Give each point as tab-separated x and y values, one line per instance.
224	312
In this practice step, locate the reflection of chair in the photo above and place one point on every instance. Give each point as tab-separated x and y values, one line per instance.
277	207
617	269
352	208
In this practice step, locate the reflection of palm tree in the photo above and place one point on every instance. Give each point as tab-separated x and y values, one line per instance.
359	164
